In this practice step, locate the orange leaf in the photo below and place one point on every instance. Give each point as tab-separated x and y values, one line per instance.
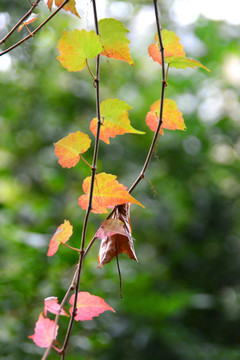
69	148
174	54
49	4
44	332
172	117
62	235
118	239
29	20
114	41
88	306
76	47
114	113
70	6
107	193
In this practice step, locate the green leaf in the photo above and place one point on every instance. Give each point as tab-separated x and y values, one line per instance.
182	62
114	113
114	41
76	47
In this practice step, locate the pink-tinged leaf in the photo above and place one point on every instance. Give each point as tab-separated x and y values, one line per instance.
109	228
114	113
182	62
44	332
29	20
88	306
76	47
119	242
69	148
51	304
61	236
172	117
49	4
114	41
107	193
70	6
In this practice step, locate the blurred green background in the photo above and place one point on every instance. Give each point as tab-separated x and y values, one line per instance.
182	300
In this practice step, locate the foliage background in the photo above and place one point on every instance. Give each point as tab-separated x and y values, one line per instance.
182	300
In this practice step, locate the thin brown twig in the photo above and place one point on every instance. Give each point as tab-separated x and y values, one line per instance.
94	168
70	247
71	288
36	30
28	13
164	84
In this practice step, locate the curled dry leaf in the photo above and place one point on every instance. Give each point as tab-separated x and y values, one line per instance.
44	332
88	306
119	236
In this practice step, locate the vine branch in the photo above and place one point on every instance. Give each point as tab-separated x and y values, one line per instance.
28	13
93	169
36	30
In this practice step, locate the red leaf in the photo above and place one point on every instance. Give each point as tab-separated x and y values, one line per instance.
51	304
69	148
43	332
88	306
62	235
107	193
120	241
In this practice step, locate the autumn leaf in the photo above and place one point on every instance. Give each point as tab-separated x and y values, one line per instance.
88	306
44	332
107	193
51	304
29	20
114	41
69	148
76	47
119	241
70	6
172	117
49	4
174	54
114	113
61	236
110	227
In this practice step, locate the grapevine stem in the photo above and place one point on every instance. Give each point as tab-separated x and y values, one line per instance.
34	31
93	169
